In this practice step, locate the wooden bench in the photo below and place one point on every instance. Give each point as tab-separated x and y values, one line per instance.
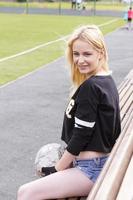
116	180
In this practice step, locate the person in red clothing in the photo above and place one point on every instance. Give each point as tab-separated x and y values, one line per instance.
130	17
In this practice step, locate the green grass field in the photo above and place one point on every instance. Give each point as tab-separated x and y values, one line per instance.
22	32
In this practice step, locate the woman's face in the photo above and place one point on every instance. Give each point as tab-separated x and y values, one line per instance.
85	57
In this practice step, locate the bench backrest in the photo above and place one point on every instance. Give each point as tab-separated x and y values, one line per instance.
115	178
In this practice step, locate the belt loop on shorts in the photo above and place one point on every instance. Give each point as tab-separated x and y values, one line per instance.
74	163
97	161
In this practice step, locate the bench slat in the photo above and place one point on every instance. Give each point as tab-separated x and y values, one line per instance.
109	186
110	159
127	96
125	82
126	109
126	190
126	117
125	91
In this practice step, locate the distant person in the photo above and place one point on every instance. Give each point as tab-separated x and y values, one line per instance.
129	18
79	4
73	4
83	5
91	123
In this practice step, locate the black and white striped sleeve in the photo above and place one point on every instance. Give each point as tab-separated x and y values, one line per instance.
85	119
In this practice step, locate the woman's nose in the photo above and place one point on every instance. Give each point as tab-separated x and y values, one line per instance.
81	59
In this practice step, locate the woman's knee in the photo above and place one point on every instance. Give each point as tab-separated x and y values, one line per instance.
24	193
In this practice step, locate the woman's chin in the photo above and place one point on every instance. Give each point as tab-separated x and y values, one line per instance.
83	71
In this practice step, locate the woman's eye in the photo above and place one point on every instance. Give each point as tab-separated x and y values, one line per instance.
87	54
75	54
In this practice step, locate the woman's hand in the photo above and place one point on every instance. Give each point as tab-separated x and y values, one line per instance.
65	161
48	170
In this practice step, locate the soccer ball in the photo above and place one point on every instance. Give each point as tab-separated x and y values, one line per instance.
47	156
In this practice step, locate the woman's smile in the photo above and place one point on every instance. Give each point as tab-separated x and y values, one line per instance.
83	68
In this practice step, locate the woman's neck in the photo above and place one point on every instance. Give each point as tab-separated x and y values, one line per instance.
102	72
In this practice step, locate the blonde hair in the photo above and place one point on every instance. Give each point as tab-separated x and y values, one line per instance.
92	35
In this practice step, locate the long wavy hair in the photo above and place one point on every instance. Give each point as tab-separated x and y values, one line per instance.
92	35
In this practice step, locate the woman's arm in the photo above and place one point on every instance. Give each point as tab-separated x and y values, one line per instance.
65	161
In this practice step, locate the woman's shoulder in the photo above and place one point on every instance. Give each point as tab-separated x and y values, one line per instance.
89	82
94	81
89	86
97	84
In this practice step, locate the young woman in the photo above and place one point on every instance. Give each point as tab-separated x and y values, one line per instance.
91	122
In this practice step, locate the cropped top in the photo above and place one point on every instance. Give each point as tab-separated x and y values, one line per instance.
92	118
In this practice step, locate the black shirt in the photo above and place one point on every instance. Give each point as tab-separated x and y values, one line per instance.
92	118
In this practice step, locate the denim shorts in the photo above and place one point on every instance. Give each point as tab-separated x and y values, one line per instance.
91	167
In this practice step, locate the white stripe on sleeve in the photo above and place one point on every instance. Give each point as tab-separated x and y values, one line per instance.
84	123
77	126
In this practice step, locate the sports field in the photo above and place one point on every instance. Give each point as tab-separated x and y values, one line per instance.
30	41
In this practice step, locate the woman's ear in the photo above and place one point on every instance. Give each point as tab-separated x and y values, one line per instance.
101	54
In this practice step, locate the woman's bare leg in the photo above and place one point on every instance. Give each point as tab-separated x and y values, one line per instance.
67	183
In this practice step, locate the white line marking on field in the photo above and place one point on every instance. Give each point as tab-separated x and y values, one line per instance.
33	49
48	43
109	22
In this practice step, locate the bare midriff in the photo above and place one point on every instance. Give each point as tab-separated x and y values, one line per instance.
90	154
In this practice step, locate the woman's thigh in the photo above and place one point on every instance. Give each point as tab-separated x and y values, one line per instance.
70	182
